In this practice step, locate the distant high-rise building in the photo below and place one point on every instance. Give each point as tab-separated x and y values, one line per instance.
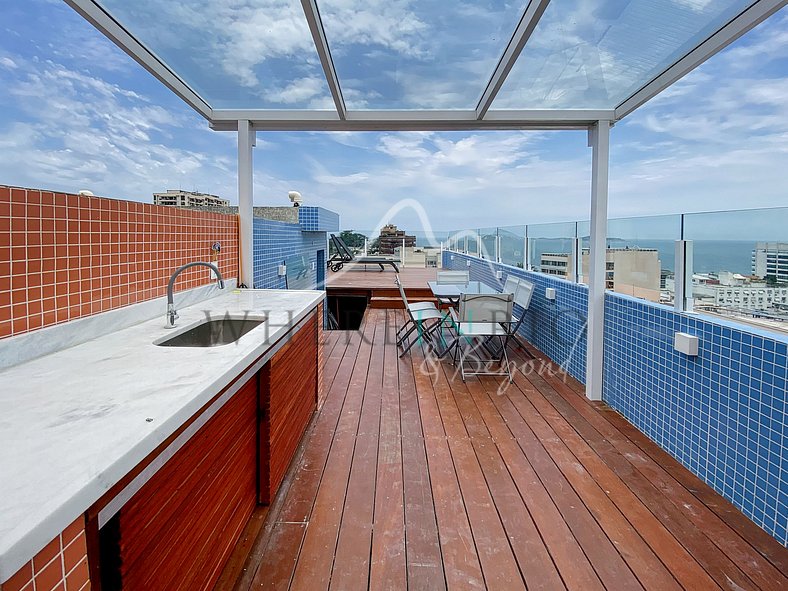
391	238
178	198
770	259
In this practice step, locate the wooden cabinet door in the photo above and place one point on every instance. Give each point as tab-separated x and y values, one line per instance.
177	531
288	388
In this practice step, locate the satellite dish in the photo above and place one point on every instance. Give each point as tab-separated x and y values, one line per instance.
86	193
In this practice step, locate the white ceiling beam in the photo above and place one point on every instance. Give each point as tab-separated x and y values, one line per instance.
533	12
547	119
747	20
100	19
321	44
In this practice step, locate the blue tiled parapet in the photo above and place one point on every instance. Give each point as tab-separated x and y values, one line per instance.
317	219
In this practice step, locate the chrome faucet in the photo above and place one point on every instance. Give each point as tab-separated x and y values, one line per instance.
172	315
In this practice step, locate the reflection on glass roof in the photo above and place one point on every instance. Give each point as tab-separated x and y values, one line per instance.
416	54
597	53
254	54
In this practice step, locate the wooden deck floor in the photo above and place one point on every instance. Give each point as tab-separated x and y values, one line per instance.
356	277
410	479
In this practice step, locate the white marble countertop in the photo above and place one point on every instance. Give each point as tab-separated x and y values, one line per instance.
75	422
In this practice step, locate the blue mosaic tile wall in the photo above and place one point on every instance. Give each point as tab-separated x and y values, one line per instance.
557	328
722	414
274	242
317	219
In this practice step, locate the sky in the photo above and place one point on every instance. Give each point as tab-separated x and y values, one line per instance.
77	113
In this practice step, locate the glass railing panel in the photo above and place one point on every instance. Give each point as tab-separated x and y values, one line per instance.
462	240
488	239
550	248
740	265
640	256
511	240
472	242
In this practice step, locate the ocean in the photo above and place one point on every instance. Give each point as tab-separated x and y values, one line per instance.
709	256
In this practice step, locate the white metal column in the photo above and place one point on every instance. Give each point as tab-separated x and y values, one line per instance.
599	140
246	141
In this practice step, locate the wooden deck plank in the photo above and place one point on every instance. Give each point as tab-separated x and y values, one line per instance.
423	552
576	428
388	567
409	478
496	556
316	559
352	557
678	500
587	472
356	278
460	559
539	448
570	560
533	558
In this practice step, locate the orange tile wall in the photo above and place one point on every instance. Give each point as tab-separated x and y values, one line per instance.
66	256
61	566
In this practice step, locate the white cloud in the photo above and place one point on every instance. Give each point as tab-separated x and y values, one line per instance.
310	90
80	131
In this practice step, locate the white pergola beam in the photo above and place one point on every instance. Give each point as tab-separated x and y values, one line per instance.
226	120
531	15
747	20
321	45
599	140
246	141
111	29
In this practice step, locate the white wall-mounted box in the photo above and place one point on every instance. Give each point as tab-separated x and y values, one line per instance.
549	293
282	270
686	343
499	274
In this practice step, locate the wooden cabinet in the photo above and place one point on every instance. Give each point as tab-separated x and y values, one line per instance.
288	389
177	531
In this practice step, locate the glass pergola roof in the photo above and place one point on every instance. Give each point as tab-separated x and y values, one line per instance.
420	64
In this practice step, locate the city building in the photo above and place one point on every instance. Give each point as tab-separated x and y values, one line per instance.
732	291
770	259
558	264
633	271
391	238
179	198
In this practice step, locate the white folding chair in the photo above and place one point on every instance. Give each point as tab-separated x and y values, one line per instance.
482	317
421	316
522	290
451	278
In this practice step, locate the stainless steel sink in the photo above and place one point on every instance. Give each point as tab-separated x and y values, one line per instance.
212	333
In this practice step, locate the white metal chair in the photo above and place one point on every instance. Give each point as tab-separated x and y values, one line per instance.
522	290
421	316
482	317
451	278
